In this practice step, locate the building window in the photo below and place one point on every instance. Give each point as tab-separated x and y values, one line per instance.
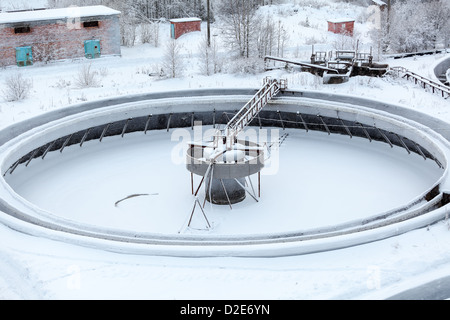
90	24
23	29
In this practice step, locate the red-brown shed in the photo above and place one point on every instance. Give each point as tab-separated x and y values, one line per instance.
341	26
180	26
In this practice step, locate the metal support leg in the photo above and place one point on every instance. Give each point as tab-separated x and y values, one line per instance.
198	189
65	143
259	184
48	149
420	151
303	121
84	137
324	124
125	127
346	128
209	185
104	131
251	185
438	163
32	157
168	122
385	138
226	193
365	132
14	166
403	143
147	123
281	120
246	190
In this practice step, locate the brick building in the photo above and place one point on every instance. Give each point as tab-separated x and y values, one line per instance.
342	26
43	35
178	27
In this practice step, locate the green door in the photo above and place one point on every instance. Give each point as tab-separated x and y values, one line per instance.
24	56
92	49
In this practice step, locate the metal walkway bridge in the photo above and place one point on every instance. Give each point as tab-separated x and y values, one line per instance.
270	88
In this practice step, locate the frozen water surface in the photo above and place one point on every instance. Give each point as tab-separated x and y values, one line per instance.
314	180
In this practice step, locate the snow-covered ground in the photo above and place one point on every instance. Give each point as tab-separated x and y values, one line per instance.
38	268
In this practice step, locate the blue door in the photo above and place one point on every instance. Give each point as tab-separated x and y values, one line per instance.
172	30
92	49
24	56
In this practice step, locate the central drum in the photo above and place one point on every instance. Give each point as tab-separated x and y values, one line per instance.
224	169
226	161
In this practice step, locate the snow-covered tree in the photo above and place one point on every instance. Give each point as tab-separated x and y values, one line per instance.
210	61
16	87
415	25
438	14
240	22
173	64
266	37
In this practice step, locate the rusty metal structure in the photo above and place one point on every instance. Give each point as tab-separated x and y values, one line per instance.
337	67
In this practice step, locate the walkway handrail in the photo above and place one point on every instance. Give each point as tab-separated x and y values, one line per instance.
252	108
425	81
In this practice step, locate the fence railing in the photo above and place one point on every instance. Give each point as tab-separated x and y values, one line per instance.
436	87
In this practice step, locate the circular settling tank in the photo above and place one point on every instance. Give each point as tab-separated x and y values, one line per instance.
337	171
139	183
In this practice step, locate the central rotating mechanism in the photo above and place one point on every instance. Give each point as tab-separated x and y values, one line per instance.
225	162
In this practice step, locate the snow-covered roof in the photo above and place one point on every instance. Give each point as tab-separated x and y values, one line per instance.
339	20
379	2
185	20
56	14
